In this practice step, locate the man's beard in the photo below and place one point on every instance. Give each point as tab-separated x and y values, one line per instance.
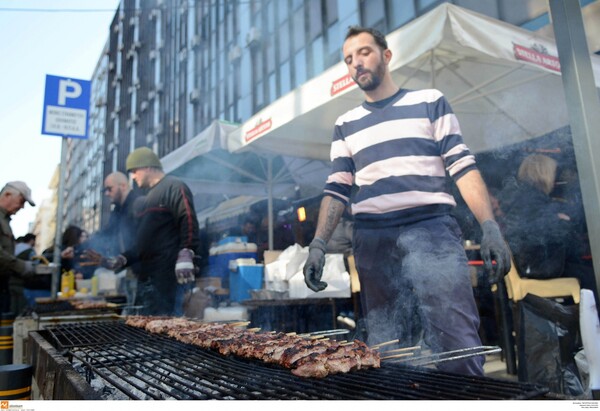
374	80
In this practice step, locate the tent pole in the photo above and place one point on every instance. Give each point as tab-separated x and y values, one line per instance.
583	107
432	63
270	199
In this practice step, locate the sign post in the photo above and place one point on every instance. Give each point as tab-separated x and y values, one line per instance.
66	112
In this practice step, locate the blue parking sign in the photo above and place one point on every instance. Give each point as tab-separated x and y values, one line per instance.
66	107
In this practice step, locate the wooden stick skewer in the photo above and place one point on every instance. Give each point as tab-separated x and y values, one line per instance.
398	350
389	357
239	324
383	344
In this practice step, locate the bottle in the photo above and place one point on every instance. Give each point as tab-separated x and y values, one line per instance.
94	285
67	283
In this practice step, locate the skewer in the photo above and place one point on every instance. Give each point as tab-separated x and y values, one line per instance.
325	333
398	350
383	344
239	324
389	357
88	264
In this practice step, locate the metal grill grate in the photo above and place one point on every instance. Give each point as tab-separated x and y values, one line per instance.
139	365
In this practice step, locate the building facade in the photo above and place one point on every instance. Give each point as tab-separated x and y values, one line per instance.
84	172
171	67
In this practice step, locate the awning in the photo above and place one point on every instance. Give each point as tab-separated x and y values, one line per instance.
503	82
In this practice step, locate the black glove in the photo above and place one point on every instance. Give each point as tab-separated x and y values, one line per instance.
114	263
313	268
185	271
494	247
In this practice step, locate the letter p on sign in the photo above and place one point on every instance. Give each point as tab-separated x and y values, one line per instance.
67	89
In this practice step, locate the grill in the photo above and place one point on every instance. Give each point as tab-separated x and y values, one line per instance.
124	362
50	312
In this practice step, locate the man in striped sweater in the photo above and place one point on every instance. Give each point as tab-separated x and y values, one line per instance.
398	147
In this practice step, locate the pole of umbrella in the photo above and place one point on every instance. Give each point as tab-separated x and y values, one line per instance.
270	199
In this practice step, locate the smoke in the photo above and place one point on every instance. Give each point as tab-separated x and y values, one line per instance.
427	295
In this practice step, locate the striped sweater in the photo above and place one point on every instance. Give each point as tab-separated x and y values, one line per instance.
399	156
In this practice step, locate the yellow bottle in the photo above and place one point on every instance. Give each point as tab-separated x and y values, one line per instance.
67	283
94	285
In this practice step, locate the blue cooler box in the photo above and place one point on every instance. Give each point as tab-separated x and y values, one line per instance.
218	265
245	278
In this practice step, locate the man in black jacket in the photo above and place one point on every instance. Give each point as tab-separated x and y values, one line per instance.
118	235
167	236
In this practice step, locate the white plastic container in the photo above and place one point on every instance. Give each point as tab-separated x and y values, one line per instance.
237	313
107	280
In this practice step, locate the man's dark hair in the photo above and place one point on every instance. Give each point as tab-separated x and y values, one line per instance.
377	35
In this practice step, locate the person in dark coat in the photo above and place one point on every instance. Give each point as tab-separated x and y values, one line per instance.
167	238
118	235
543	232
536	227
13	270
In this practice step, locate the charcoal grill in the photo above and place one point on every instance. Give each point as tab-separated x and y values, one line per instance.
56	311
135	364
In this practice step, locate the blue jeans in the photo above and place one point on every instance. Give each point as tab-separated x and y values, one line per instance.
415	283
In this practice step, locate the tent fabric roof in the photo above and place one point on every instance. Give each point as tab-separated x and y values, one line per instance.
501	80
211	138
503	83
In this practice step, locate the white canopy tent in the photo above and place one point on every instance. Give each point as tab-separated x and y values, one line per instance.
226	184
502	81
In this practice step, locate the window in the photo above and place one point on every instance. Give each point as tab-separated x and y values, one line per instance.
300	67
334	41
270	53
401	12
317	56
373	14
283	10
299	30
272	87
315	18
259	96
286	81
331	11
284	41
270	17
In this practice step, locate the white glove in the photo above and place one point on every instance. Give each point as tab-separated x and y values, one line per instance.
184	268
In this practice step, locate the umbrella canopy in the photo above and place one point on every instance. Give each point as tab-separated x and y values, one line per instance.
218	177
503	83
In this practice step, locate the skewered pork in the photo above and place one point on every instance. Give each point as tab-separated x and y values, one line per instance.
305	357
